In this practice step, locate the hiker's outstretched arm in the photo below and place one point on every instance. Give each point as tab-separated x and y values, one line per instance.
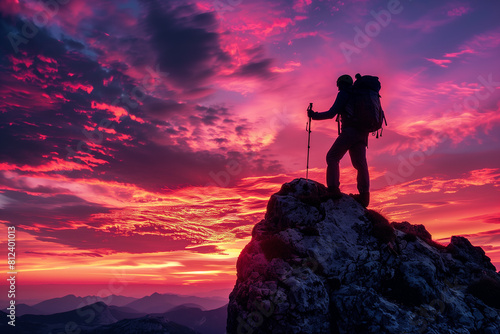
338	106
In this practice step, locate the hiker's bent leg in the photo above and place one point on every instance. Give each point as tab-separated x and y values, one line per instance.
333	157
358	159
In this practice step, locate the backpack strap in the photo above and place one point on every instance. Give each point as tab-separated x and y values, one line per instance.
382	128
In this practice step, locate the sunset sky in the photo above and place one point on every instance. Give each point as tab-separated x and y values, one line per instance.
141	140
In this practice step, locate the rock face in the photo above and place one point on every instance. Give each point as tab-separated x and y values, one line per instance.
315	265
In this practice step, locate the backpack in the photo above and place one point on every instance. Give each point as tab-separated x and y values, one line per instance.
363	110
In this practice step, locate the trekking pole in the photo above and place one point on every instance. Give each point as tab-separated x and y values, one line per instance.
308	129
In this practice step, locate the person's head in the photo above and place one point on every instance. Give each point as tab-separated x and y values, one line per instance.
344	81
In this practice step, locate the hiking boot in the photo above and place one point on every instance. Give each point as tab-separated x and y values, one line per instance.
363	198
332	193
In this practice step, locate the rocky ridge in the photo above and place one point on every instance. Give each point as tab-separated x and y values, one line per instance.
315	265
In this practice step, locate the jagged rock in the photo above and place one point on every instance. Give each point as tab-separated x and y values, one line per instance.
321	266
413	230
462	250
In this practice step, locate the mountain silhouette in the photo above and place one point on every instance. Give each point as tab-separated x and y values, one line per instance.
182	319
60	304
318	265
87	317
206	322
149	324
102	318
155	303
22	309
68	303
160	303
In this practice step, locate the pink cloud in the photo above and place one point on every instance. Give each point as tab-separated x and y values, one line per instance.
16	61
456	54
300	17
457	111
459	11
430	184
493	218
46	59
73	87
439	62
301	5
485	41
449	88
437	17
25	83
117	111
56	164
289	67
277	25
454	126
427	23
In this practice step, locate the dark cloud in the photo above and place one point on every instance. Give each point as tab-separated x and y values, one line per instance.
70	43
90	254
489	219
255	52
41	115
207	249
47	116
162	109
213	110
57	210
155	167
187	47
221	141
144	162
25	186
241	130
209	119
258	69
85	238
89	238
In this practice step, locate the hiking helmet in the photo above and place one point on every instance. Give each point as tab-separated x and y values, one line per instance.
345	79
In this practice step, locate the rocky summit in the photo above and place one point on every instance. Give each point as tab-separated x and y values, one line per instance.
317	265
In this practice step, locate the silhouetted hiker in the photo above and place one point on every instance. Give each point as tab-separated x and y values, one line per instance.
351	138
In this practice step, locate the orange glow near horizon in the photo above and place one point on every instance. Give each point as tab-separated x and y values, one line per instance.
203	220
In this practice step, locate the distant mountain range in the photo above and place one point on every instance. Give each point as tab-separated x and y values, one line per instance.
158	313
182	320
160	303
87	317
147	324
155	303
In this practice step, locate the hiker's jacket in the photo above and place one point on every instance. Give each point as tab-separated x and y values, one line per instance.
338	107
